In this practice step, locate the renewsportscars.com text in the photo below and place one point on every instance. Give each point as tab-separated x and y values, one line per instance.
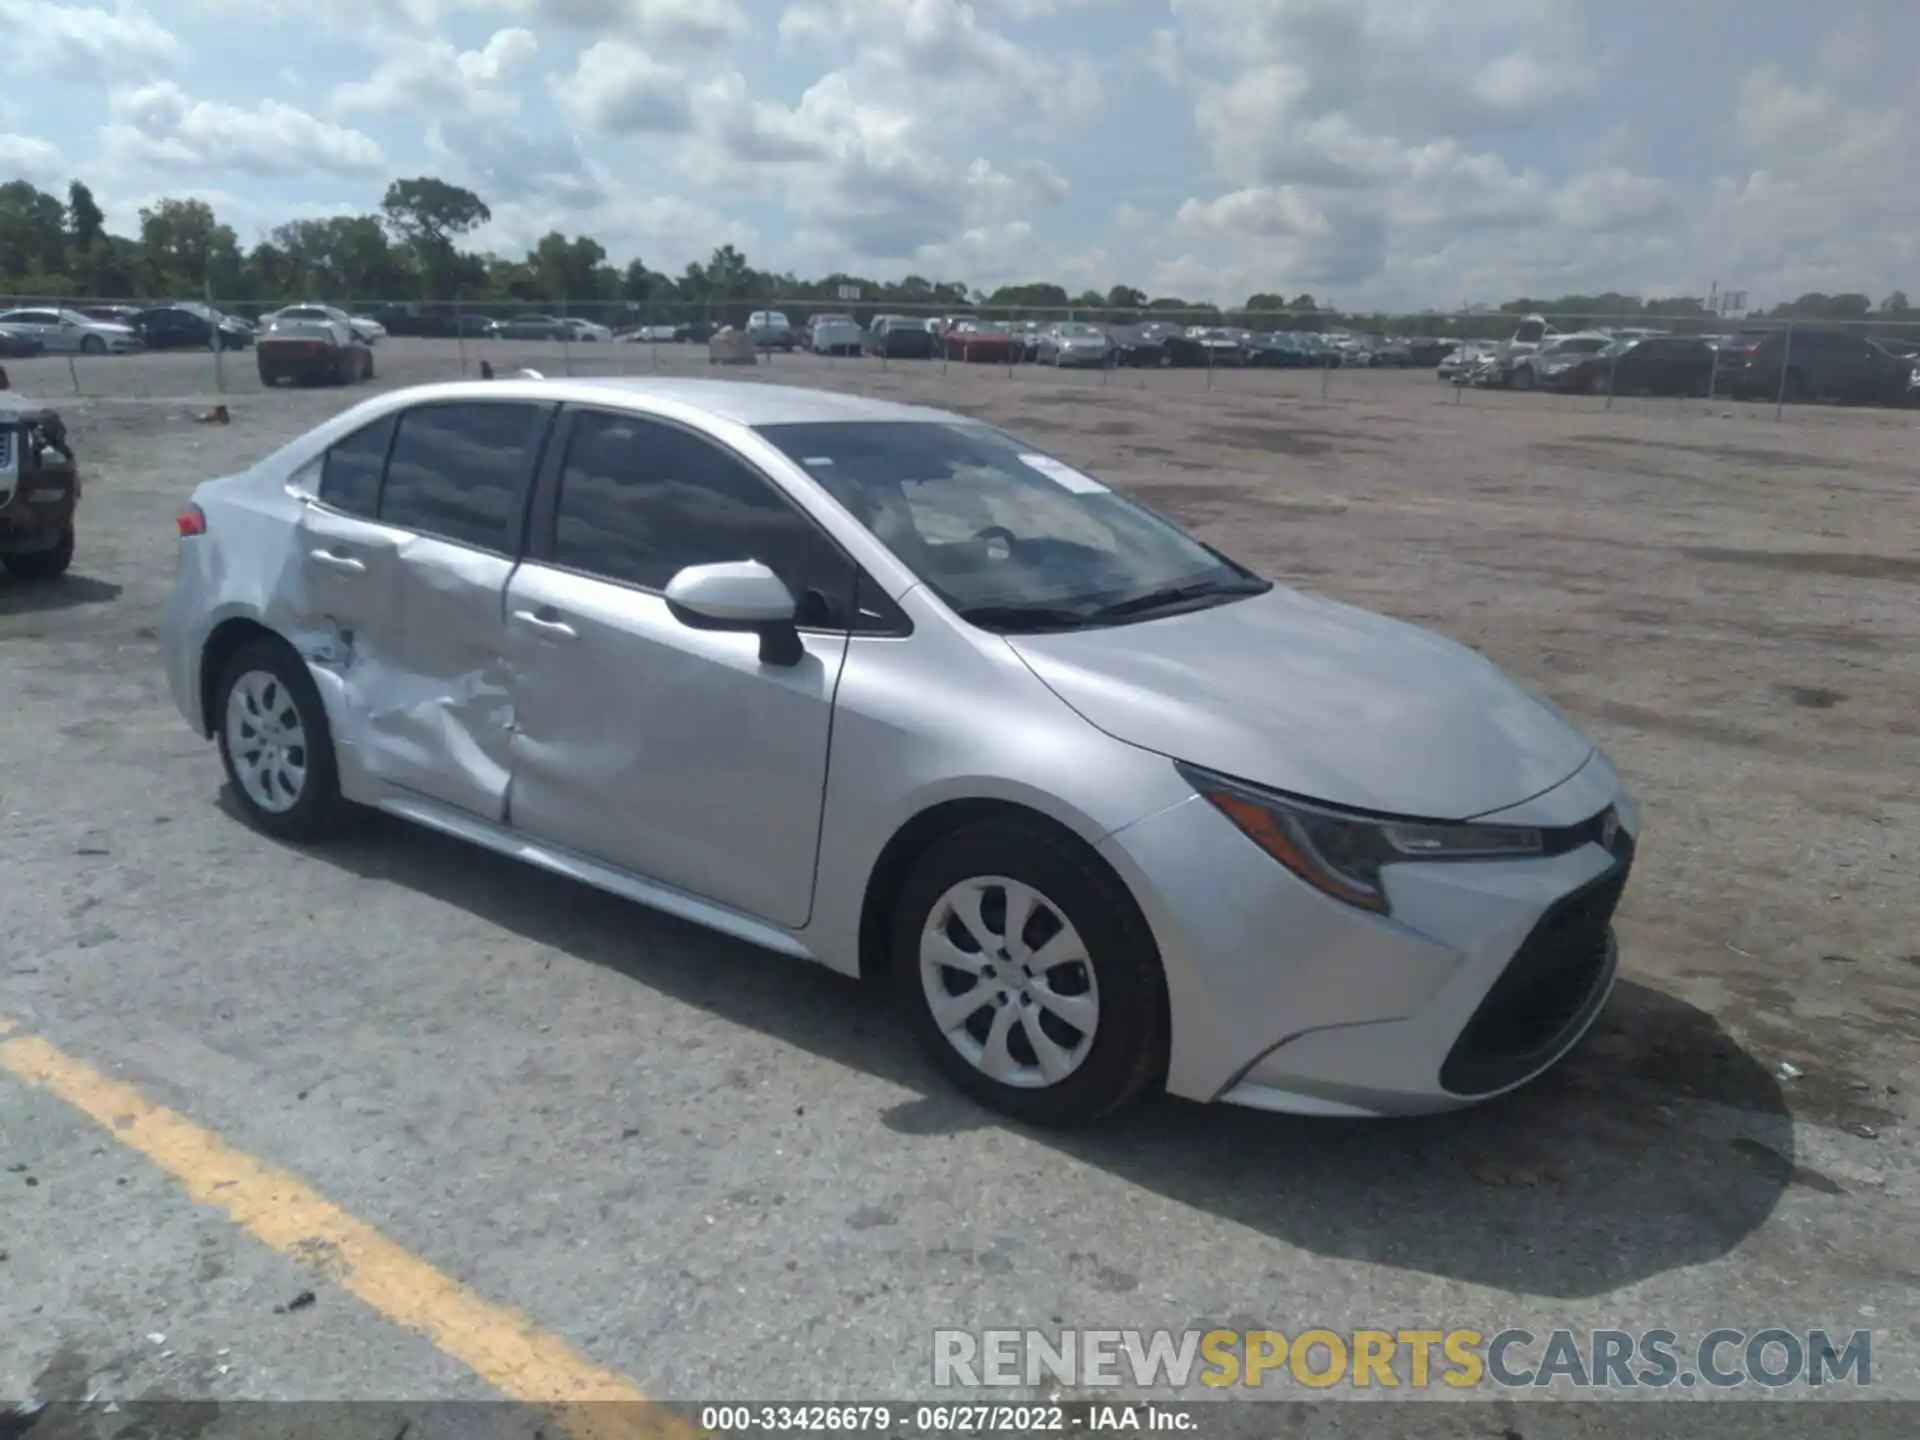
1771	1358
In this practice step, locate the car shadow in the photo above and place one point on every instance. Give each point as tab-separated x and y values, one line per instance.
1659	1144
42	597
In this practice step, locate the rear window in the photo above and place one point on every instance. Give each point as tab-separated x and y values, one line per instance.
350	474
462	472
302	330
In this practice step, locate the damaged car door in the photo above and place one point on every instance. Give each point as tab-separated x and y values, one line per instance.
405	554
682	755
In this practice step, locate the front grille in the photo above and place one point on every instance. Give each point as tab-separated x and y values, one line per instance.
1548	990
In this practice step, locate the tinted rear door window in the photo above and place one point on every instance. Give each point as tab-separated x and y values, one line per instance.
461	472
350	473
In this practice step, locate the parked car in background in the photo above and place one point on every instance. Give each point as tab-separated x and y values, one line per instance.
770	330
530	327
1028	332
985	341
1142	346
111	314
899	337
430	322
1276	350
1204	347
1074	343
650	335
586	332
39	490
1528	369
68	332
1455	363
1658	365
835	335
1107	811
1428	352
189	326
1814	364
19	345
367	328
367	331
311	351
694	332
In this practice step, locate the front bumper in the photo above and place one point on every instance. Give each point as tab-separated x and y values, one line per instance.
1484	976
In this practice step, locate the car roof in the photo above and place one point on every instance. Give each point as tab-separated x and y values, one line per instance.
744	402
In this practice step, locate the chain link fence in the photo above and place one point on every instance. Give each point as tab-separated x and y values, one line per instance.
1597	357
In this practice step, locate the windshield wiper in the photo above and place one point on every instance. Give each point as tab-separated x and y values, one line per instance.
1007	618
1178	595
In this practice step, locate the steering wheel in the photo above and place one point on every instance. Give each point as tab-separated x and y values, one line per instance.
1006	537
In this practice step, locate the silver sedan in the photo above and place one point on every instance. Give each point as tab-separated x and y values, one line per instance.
888	689
70	332
1073	343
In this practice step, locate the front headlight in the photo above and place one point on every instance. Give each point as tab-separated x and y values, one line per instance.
1341	853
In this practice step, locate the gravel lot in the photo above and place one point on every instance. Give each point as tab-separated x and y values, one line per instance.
726	1175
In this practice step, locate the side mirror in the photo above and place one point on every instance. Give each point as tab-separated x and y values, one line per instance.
739	595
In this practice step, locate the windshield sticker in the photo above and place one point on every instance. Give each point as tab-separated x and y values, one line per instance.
1064	475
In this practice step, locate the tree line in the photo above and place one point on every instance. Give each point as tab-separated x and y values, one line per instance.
411	250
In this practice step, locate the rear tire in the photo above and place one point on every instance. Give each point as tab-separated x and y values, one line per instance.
1101	998
43	564
271	728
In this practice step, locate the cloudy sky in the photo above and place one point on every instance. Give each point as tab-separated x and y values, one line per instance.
1400	152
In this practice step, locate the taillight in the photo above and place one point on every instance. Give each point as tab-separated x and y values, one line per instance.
192	521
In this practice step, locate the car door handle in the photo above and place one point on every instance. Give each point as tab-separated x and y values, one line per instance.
557	629
339	562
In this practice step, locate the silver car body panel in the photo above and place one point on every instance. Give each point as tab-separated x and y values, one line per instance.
1342	705
668	751
759	799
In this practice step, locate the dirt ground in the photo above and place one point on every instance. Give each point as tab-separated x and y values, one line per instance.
670	1149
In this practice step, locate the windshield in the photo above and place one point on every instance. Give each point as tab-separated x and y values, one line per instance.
1009	538
1080	332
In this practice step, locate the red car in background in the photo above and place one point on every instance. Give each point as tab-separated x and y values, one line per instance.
968	340
312	352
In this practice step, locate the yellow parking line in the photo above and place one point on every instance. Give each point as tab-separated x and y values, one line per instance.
497	1343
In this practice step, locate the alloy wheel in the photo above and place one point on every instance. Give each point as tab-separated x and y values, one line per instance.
1008	982
267	741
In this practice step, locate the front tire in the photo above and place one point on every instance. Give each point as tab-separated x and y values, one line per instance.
43	564
93	345
276	745
1029	976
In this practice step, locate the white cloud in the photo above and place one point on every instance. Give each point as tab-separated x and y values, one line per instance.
28	157
161	125
435	77
84	44
1372	151
926	50
666	24
617	88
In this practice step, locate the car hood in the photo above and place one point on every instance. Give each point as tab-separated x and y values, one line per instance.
1317	699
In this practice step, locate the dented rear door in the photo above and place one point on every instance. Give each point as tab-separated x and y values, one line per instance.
412	599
